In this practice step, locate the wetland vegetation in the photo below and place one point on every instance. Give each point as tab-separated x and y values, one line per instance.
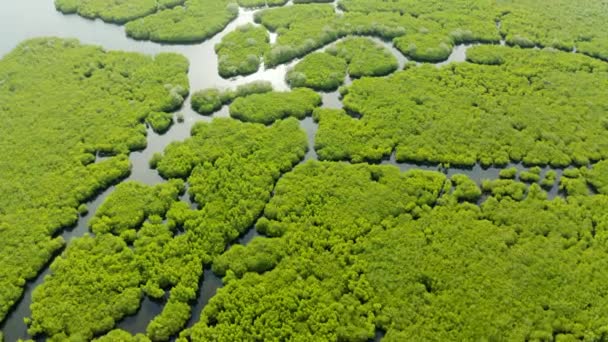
335	249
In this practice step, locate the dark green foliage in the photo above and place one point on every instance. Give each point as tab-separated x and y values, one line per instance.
319	71
240	51
61	104
269	107
365	57
171	21
539	107
210	100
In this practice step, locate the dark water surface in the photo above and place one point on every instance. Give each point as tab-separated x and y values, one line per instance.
26	19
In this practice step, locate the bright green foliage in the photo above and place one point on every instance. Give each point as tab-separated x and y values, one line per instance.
131	203
598	177
195	21
72	304
427	31
231	168
305	28
160	121
425	46
122	336
574	183
261	3
240	51
284	17
549	180
508	173
269	107
61	103
539	107
365	57
1	337
503	188
362	247
465	189
210	100
207	101
315	292
102	275
341	137
224	139
530	176
260	255
320	71
170	21
110	11
561	24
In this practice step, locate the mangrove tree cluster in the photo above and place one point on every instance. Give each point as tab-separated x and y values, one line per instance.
148	243
62	105
268	107
536	106
355	248
168	21
240	51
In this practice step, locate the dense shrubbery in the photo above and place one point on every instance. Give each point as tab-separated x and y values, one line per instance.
240	51
72	304
269	107
110	11
360	248
426	47
195	21
535	107
320	71
61	103
232	168
210	100
365	57
170	21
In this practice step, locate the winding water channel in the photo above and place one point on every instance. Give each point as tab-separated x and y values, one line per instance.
25	19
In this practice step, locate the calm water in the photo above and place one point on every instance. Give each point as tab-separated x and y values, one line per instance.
25	19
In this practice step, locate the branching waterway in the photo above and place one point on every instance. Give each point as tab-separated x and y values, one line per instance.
43	20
